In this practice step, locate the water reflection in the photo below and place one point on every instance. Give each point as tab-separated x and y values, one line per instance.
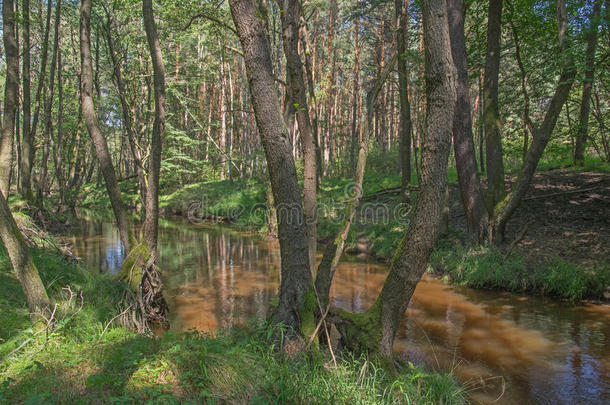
516	348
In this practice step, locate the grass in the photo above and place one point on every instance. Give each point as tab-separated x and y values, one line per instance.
487	267
80	361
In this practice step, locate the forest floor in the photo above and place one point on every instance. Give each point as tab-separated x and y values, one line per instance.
557	243
565	214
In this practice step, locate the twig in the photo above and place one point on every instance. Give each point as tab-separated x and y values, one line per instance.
315	332
109	322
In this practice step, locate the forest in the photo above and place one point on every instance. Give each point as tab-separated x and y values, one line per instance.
314	201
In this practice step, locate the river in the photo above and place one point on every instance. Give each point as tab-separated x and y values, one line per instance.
504	348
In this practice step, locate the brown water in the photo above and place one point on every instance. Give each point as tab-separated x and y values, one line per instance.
506	348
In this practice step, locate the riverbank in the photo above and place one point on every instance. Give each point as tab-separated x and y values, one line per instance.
85	358
558	242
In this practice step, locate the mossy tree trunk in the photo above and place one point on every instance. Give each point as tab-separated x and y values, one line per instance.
491	111
374	330
295	271
155	307
152	199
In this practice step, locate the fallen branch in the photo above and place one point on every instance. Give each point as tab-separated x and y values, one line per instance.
112	320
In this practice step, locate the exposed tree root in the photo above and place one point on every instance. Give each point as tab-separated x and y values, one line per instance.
145	293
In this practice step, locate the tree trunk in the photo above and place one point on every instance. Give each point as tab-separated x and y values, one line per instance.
355	95
48	120
25	270
26	141
491	114
541	135
127	117
93	126
470	184
402	18
151	288
296	89
295	274
28	156
152	199
587	86
10	94
374	330
334	250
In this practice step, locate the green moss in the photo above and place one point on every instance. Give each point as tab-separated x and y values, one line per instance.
363	330
133	266
307	313
399	251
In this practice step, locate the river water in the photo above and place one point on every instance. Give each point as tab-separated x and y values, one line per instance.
505	348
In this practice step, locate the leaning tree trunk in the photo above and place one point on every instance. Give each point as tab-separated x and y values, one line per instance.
542	134
127	117
25	270
491	113
10	94
296	89
296	278
471	192
374	330
93	126
334	250
587	86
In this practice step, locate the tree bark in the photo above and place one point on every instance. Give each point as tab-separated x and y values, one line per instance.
412	257
402	18
296	277
491	113
127	117
48	120
587	86
296	89
355	95
29	153
93	126
152	197
10	94
26	141
542	134
25	270
468	177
